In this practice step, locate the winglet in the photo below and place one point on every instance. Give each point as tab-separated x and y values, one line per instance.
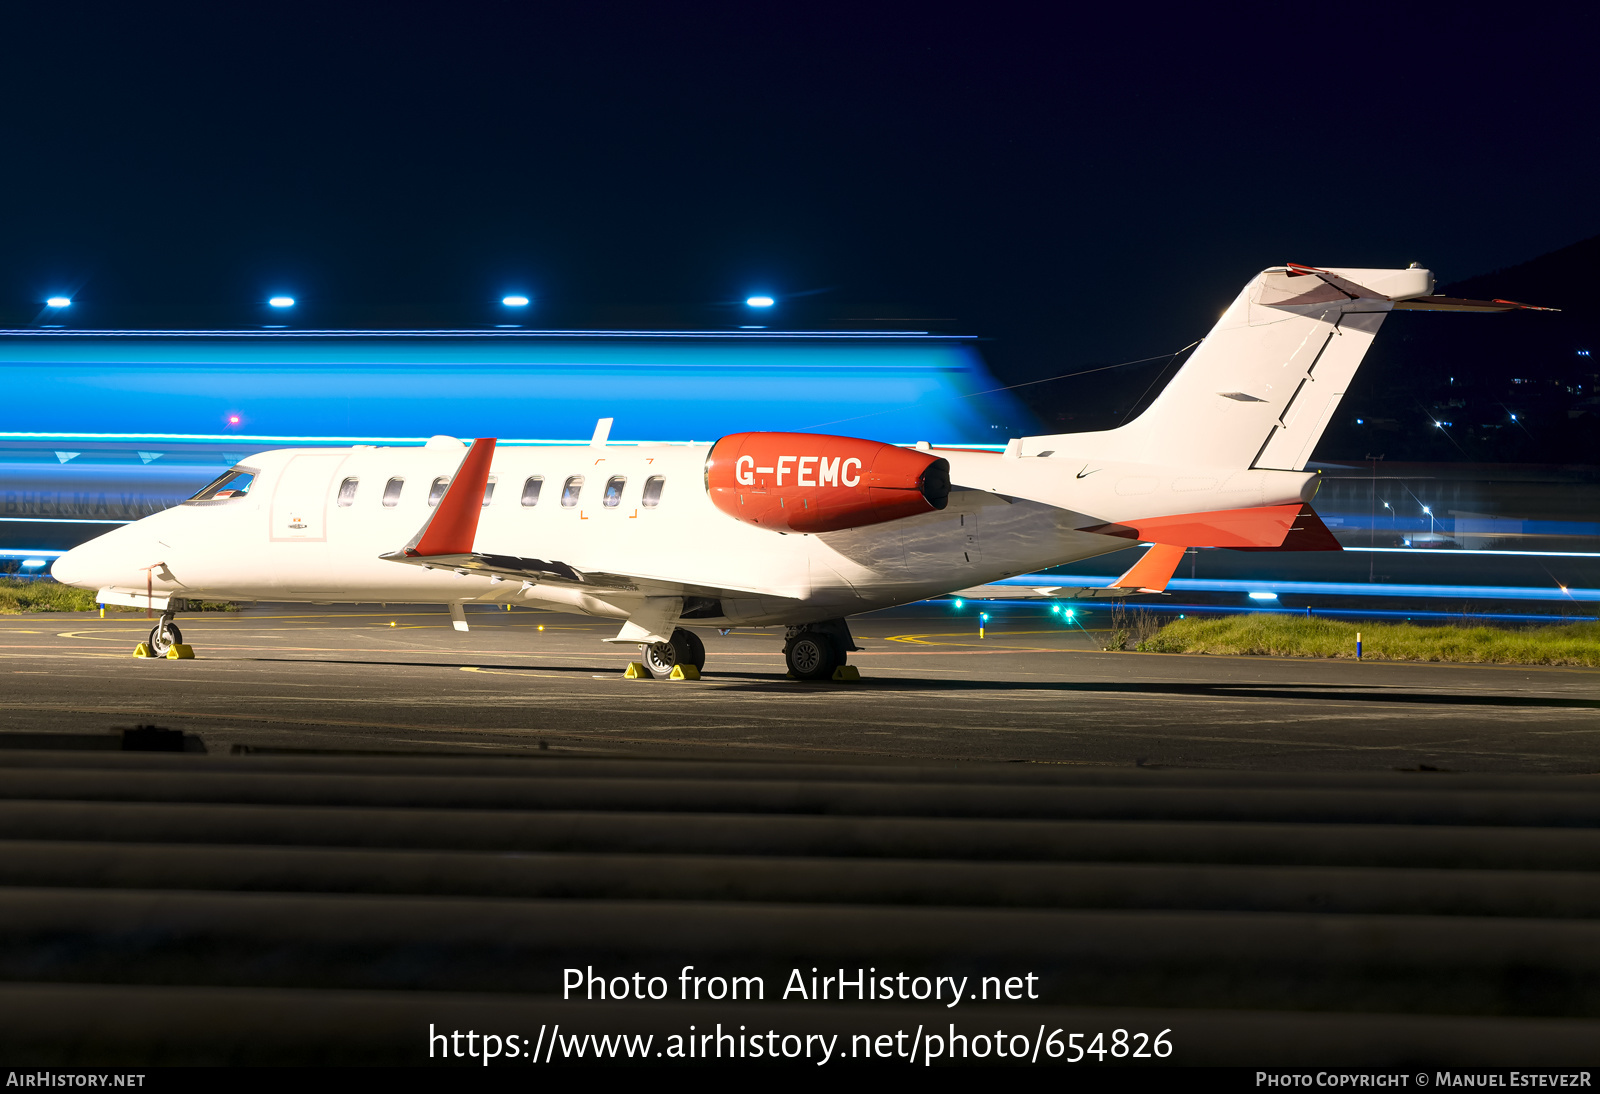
1152	572
452	527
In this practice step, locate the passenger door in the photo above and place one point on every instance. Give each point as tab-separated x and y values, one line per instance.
300	500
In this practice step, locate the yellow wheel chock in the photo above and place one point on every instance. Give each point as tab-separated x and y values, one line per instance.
180	651
684	672
636	671
844	674
141	650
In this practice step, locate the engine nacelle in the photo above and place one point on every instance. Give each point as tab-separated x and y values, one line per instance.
812	482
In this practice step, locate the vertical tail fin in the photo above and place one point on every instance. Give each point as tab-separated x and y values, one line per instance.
1261	388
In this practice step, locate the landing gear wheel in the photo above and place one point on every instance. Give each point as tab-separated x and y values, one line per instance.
163	636
812	656
685	648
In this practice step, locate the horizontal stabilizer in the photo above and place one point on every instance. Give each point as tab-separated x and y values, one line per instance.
1455	303
1260	390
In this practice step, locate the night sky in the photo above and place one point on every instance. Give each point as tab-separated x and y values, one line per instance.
1079	188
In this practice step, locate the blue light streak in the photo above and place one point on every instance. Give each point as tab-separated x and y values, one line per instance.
451	332
1351	613
282	301
1370	613
1448	552
1328	588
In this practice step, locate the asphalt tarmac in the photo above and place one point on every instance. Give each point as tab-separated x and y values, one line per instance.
371	678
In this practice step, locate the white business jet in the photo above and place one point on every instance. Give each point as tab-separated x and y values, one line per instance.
783	529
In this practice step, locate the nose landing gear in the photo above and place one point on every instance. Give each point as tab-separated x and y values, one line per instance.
683	648
166	641
163	636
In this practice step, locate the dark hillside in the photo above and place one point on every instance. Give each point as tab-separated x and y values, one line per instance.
1518	387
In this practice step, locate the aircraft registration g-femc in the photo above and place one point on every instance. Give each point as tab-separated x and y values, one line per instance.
785	529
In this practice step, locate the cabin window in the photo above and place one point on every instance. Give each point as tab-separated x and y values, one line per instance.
233	483
488	489
438	489
652	492
347	491
569	492
391	492
614	487
530	490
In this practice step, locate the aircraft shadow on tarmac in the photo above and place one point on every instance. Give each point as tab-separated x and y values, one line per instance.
754	681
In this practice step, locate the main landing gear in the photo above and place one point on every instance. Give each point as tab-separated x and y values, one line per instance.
820	651
815	651
683	648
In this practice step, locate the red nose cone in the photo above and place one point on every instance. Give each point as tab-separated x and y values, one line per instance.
810	482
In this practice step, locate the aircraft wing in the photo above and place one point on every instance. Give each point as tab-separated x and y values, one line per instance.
446	540
545	572
1149	575
1039	592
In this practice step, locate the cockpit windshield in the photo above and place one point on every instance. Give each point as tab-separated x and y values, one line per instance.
234	483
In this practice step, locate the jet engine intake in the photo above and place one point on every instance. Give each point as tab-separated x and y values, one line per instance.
812	482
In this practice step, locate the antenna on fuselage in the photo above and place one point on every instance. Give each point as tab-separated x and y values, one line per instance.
602	433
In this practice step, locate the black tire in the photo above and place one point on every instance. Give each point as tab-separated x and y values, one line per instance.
685	648
691	651
812	656
161	642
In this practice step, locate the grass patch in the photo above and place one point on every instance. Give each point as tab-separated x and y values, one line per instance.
45	595
17	597
1296	636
